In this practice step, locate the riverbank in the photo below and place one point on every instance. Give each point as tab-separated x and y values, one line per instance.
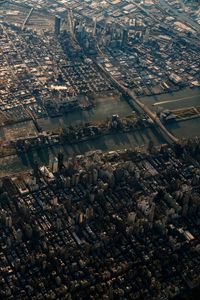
120	141
103	110
73	134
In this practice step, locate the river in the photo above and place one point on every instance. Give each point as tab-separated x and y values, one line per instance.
104	108
184	98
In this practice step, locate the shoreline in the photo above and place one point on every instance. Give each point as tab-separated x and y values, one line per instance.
35	148
88	139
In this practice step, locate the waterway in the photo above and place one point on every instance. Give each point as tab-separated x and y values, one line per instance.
104	108
184	98
16	164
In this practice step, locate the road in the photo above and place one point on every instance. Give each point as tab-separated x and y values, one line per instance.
27	18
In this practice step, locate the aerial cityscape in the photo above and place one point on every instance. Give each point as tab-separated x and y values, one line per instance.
99	149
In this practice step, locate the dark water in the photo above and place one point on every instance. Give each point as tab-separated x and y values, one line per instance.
104	108
185	98
21	163
187	129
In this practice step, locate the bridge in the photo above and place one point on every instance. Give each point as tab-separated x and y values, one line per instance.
152	115
135	101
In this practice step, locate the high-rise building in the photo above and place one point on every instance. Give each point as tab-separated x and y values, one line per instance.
125	37
152	212
36	171
55	165
60	161
57	25
146	35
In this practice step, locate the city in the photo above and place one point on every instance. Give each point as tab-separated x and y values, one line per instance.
99	149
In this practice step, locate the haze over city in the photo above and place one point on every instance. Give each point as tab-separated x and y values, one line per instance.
99	149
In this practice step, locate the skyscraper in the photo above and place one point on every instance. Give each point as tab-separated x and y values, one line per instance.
57	25
124	37
60	161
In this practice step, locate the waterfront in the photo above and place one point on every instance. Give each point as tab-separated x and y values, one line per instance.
186	129
102	110
15	164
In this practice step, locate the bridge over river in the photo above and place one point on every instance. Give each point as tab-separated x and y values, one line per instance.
135	101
